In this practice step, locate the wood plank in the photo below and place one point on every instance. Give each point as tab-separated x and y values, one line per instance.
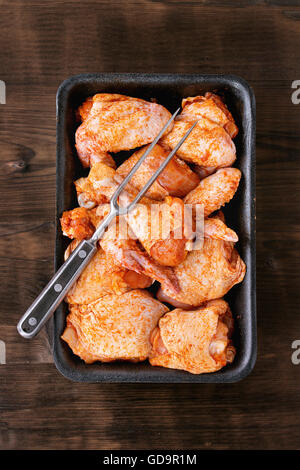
241	43
47	411
21	351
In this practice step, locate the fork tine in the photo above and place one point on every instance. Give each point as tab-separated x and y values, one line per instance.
143	157
160	169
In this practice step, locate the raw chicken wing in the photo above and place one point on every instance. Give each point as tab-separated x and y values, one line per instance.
177	179
115	122
79	223
211	107
215	190
210	144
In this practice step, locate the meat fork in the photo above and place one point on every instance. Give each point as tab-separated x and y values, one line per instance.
55	291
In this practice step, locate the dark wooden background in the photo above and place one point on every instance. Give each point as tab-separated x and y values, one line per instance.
41	44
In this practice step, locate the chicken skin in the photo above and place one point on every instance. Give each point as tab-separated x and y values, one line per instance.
177	179
210	144
210	106
97	188
115	327
79	223
215	190
206	274
216	228
112	123
197	341
101	277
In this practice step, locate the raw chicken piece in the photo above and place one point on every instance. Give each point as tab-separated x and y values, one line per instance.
79	223
162	228
70	336
101	277
88	154
211	107
215	190
206	274
116	327
203	171
115	122
210	144
218	230
196	340
177	179
98	187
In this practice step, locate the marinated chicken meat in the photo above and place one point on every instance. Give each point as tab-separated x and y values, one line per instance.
177	179
206	274
113	122
210	144
215	190
196	340
115	327
210	106
112	316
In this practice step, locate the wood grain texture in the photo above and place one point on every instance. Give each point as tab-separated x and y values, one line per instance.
41	44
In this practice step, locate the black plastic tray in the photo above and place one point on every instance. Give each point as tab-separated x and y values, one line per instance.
168	89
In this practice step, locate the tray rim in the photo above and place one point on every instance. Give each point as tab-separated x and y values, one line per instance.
249	359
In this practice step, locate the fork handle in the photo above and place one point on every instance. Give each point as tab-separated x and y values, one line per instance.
55	291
